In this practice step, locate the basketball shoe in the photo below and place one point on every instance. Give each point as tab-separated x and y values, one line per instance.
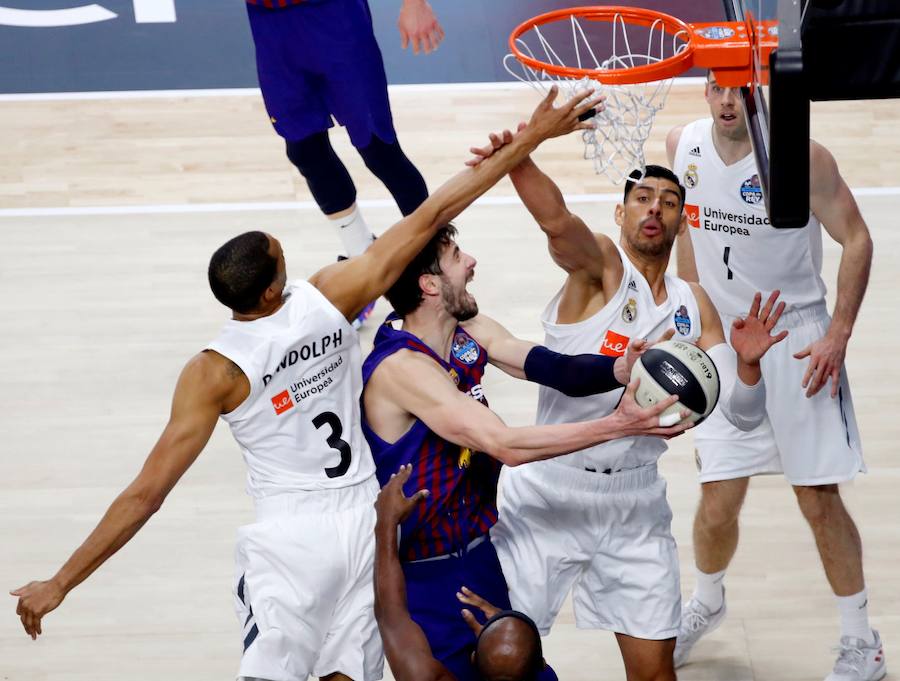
859	661
696	621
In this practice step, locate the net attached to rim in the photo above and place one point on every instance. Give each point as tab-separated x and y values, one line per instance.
560	51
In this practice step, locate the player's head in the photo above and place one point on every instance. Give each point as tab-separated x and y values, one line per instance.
509	648
247	273
726	109
437	276
651	212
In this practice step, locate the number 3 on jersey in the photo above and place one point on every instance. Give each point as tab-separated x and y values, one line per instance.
334	441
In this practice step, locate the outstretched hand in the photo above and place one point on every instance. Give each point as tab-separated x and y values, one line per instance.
751	336
546	121
392	505
36	599
419	26
465	595
633	419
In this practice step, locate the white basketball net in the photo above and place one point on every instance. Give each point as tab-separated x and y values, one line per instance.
616	143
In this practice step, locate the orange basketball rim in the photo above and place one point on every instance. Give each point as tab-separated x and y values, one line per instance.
725	47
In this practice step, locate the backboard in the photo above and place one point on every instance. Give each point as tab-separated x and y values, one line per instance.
779	127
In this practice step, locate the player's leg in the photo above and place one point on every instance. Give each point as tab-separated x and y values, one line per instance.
632	586
390	165
352	650
288	42
715	533
356	93
817	456
726	458
538	539
647	660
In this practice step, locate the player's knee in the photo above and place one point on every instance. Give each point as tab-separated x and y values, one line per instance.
327	177
390	165
819	504
720	506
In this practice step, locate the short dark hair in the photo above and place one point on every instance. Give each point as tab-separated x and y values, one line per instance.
530	659
405	295
240	271
653	171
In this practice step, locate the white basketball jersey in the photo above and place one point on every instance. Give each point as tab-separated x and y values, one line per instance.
630	313
299	427
737	250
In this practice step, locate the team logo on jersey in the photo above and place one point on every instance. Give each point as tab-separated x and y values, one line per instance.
629	312
465	349
695	151
751	191
282	402
465	457
691	177
693	215
632	286
614	344
682	321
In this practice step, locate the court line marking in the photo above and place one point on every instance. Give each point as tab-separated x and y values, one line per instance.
274	206
254	92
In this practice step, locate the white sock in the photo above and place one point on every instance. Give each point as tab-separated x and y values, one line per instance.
710	590
354	233
855	616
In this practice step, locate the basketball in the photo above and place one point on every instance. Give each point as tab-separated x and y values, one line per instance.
677	368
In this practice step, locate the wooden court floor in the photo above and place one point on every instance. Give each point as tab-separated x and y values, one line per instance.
104	309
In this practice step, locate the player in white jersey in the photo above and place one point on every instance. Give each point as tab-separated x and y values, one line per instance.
810	432
597	521
285	374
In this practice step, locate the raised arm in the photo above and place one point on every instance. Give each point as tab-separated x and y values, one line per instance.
405	644
203	387
684	250
417	386
354	283
573	246
418	25
833	204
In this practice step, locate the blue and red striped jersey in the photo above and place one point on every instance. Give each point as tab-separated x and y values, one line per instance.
462	484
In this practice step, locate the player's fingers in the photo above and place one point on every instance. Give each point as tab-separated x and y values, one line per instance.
438	33
468	596
775	316
592	105
780	337
835	381
809	372
631	388
754	306
803	353
662	405
471	621
404	39
507	136
738	323
817	379
770	303
418	496
551	96
522	125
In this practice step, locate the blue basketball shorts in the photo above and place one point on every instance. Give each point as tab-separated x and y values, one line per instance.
319	60
431	588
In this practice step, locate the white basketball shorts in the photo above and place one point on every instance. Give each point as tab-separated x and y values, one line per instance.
813	441
607	537
303	586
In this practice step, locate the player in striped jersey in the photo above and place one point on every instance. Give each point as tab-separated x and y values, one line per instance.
423	405
318	60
